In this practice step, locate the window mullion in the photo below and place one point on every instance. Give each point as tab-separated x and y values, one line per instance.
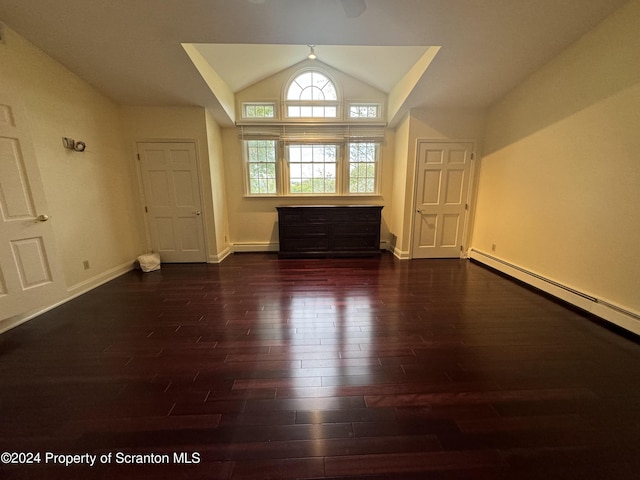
284	168
343	168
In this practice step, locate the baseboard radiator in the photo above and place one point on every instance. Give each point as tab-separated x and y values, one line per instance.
610	312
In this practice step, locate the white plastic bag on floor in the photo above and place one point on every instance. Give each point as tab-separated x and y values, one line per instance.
149	262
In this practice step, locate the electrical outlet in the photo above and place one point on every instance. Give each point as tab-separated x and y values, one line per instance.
85	264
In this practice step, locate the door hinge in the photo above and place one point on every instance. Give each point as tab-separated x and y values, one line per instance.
146	210
466	206
473	155
138	155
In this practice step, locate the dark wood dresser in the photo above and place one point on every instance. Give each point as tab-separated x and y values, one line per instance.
329	231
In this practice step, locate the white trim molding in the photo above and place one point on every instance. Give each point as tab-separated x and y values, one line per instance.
219	258
256	247
73	292
100	279
400	254
601	308
275	247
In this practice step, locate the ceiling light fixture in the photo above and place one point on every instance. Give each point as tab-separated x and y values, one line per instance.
312	54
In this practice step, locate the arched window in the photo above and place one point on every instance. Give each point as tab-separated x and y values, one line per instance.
312	146
312	94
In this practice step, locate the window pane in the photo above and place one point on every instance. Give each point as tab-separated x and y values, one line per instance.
259	110
312	168
261	159
364	111
312	87
362	167
312	93
329	91
294	91
293	111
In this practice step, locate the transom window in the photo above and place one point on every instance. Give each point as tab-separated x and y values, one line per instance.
364	110
312	95
258	110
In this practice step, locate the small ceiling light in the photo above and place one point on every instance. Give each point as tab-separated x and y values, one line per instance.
312	53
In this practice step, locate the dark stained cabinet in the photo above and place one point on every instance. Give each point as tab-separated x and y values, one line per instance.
329	231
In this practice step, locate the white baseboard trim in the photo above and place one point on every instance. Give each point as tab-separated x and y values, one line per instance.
100	279
401	255
255	247
73	292
275	247
220	256
601	308
13	322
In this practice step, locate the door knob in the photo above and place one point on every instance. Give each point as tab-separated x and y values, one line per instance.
42	218
197	212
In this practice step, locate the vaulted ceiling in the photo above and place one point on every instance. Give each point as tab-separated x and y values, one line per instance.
133	50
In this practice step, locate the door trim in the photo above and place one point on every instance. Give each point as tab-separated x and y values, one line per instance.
466	240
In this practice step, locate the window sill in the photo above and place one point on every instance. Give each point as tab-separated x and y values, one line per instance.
314	196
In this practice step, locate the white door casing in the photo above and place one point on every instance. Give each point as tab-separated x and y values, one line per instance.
171	184
30	272
441	201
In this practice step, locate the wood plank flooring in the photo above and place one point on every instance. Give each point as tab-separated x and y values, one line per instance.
260	368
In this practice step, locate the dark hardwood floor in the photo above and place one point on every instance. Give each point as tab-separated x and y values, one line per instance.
261	368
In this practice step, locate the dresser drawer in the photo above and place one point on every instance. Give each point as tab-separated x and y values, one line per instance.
323	231
356	229
302	230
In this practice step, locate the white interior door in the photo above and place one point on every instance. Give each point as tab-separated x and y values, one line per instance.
172	200
441	208
30	274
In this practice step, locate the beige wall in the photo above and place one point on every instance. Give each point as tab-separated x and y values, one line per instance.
253	221
218	191
91	195
399	201
439	125
272	88
559	185
148	124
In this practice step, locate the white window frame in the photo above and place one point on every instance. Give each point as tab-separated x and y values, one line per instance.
260	104
283	170
376	163
339	173
364	104
341	130
337	104
247	170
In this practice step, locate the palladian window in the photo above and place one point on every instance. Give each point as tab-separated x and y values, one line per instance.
312	95
311	146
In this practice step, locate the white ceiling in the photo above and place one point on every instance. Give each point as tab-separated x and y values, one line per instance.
132	49
243	65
